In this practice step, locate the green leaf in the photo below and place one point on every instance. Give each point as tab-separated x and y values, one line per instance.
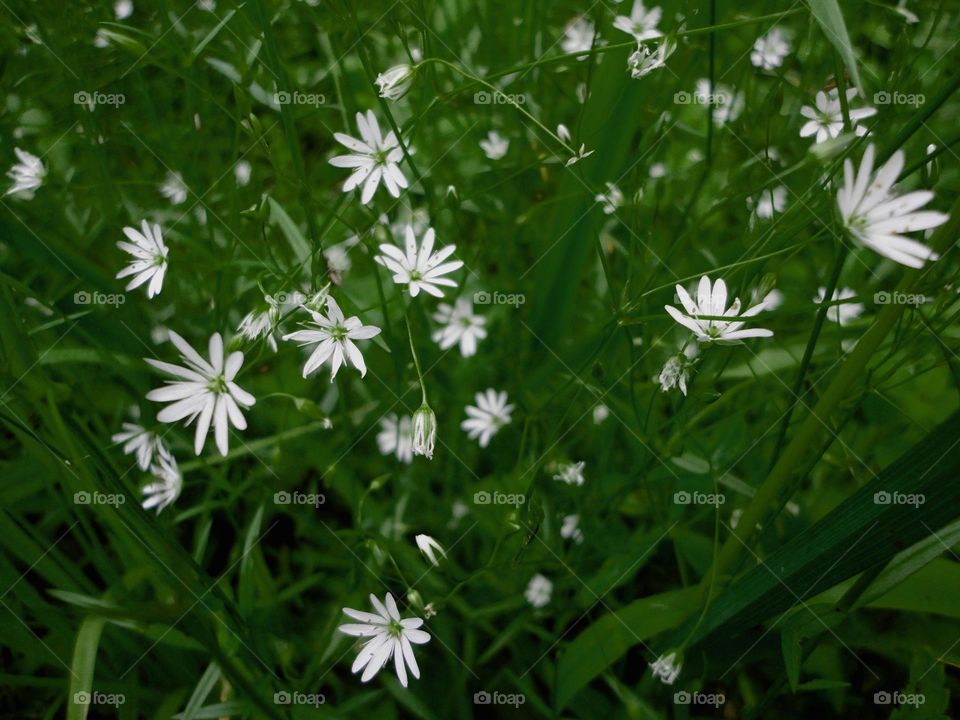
207	681
280	218
82	667
827	13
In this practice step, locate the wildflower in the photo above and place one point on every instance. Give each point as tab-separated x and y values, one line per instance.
396	437
424	431
139	441
168	482
570	529
712	302
570	473
460	325
27	174
600	413
878	218
174	189
641	23
262	323
430	549
204	391
678	369
538	591
644	60
395	82
666	668
149	257
769	202
843	312
495	146
374	159
333	335
611	199
770	50
578	36
490	414
241	173
390	636
123	9
825	121
419	268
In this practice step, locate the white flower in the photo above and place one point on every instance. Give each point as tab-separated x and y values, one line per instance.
27	174
241	172
538	591
389	636
578	36
570	473
430	549
174	189
877	217
395	82
262	323
338	260
570	529
769	202
138	440
149	257
334	336
168	482
373	159
727	103
460	325
645	60
204	390
826	119
909	17
419	268
770	50
424	431
495	146
600	413
666	668
842	312
490	414
123	9
396	437
642	23
713	303
611	199
675	374
658	170
564	133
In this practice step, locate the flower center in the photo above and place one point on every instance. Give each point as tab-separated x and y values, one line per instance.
218	385
338	333
395	629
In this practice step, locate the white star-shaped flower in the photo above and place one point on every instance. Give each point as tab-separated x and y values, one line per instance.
139	441
495	146
770	50
490	414
578	36
205	391
334	335
825	121
460	325
419	268
390	636
149	257
168	482
396	437
841	312
27	174
641	23
374	159
174	188
709	319
538	591
878	218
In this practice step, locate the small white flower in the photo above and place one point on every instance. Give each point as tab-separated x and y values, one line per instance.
578	36
712	302
396	437
570	529
641	23
204	391
333	335
174	189
495	146
374	159
430	549
842	312
419	268
826	119
666	668
644	60
395	82
168	482
338	260
460	325
390	636
538	591
600	413
769	202
139	441
491	413
676	372
564	133
658	170
262	323
909	17
241	172
149	257
570	473
770	50
27	174
424	431
611	199
123	9
878	218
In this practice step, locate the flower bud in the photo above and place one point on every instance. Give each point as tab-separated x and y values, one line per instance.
395	82
424	431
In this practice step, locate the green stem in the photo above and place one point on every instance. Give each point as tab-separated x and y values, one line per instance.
416	360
